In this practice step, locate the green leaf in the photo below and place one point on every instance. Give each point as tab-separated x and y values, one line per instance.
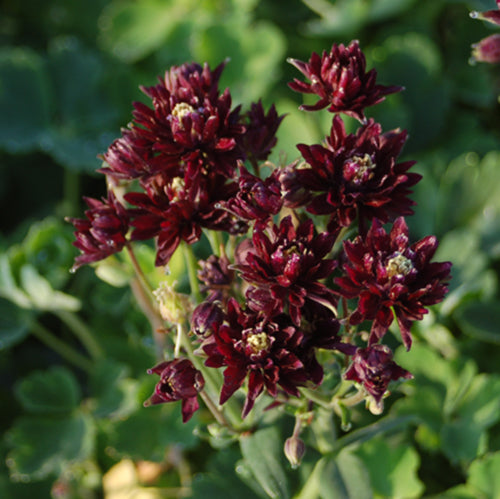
219	479
115	395
14	324
343	476
263	451
484	476
41	294
361	435
393	469
54	391
25	99
43	445
480	320
146	433
8	287
461	441
132	30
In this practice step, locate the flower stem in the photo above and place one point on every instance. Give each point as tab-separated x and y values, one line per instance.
82	332
64	350
139	272
191	264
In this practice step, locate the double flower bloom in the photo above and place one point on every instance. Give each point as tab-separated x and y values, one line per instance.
190	154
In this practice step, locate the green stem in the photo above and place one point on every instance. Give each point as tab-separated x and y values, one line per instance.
321	400
65	351
82	332
215	240
140	273
191	264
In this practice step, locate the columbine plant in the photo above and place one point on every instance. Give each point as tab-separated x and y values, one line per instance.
487	49
311	264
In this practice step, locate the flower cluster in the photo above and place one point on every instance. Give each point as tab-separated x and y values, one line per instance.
278	295
487	49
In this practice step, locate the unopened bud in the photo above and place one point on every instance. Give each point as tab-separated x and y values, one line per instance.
294	450
487	50
174	307
207	316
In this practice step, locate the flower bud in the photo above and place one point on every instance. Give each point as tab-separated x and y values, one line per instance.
487	50
174	307
207	317
294	450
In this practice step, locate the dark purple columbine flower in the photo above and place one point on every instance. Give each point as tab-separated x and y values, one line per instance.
284	268
487	49
256	199
269	352
354	175
493	16
391	277
179	380
216	277
340	80
103	232
260	136
374	368
189	120
175	210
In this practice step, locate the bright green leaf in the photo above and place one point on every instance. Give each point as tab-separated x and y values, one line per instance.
44	446
392	469
484	476
132	30
263	451
41	294
54	391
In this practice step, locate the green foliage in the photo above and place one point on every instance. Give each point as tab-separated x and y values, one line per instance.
69	72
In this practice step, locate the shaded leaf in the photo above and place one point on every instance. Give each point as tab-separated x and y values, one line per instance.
25	99
14	324
263	451
44	445
53	391
480	320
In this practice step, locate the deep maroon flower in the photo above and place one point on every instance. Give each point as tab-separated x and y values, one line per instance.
260	136
256	199
340	80
493	16
190	120
104	231
269	352
374	368
216	277
354	175
179	380
487	50
285	266
388	274
177	210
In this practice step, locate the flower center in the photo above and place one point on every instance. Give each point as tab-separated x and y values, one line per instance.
182	109
176	189
398	265
359	169
258	342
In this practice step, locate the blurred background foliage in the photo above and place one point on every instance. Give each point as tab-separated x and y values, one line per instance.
73	352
